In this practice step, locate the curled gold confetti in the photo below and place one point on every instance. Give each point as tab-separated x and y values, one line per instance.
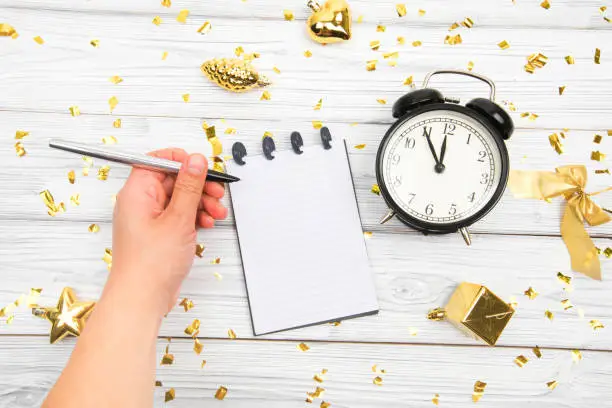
93	228
422	12
549	315
170	395
112	103
479	388
545	4
360	146
531	293
288	15
308	53
74	110
117	123
317	124
378	381
108	258
49	201
164	55
303	347
596	324
504	45
71	176
116	79
203	364
221	393
231	334
576	356
157	20
371	65
7	30
182	16
401	40
417	43
230	131
205	28
381	28
318	378
564	278
186	97
453	39
367	234
318	105
401	9
437	314
436	399
597	155
561	89
375	45
556	143
109	140
95	43
265	96
187	304
552	384
470	65
194	328
211	136
275	69
166	3
569	59
197	346
325	404
239	51
375	189
218	276
604	171
75	199
536	350
103	172
597	139
408	81
19	149
597	56
467	22
39	40
20	134
521	361
382	101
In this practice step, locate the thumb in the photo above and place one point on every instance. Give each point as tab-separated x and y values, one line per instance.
188	188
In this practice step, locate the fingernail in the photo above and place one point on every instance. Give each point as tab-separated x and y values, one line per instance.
196	164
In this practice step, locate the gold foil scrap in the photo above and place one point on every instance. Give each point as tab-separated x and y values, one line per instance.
453	26
401	40
556	143
116	79
521	361
607	252
381	28
203	364
569	59
417	43
75	199
216	261
112	103
187	304
401	9
166	3
93	228
318	105
288	15
549	315
74	110
20	134
375	189
603	171
536	350
194	328
197	346
167	358
221	393
325	404
479	388
231	334
164	55
19	149
103	172
436	399
382	101
367	234
392	55
38	39
158	383
303	347
597	56
470	65
230	131
576	356
117	123
422	12
186	97
182	16
109	140
375	45
318	378
308	53
265	96
7	30
562	89
211	135
596	324
564	278
205	28
378	381
275	69
108	258
597	155
239	51
545	4
597	139
408	81
552	384
95	43
52	207
453	39
467	22
157	20
531	293
360	146
504	45
170	394
603	9
317	124
360	19
371	65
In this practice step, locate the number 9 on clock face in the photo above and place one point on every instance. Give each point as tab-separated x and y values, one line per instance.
442	169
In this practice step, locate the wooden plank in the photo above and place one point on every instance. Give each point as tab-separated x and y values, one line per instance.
67	71
563	13
413	274
276	374
23	178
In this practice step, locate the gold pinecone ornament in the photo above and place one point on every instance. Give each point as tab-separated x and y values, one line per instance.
235	75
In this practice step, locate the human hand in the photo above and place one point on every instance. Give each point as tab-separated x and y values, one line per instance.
154	227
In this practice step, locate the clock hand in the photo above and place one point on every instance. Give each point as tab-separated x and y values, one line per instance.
443	152
431	146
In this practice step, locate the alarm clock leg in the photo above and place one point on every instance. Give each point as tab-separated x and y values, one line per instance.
466	236
387	217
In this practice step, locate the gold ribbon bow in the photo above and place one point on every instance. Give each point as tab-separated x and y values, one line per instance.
570	182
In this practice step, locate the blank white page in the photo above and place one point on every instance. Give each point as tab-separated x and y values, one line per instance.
302	246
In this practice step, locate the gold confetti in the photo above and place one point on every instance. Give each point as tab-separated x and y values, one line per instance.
39	40
20	134
375	45
401	9
536	350
49	201
166	3
164	55
467	22
318	105
453	39
308	53
325	404
117	123
275	69
371	65
453	26
569	59
239	51
231	334
597	56
103	172
563	278
218	276
422	12
205	28
93	228
230	131
6	30
556	143
608	252
182	16
401	40
367	234
392	55
504	45
552	385
75	199
170	394
417	43
116	79
479	388
216	261
221	393
266	134
193	329
408	81
265	96
603	9
203	364
545	4
288	15
521	361
167	358
382	101
604	171
597	155
381	28
187	304
318	378
596	324
597	139
157	20
317	124
470	65
158	383
360	19
197	346
74	110
436	399
378	381
19	149
71	176
108	258
375	189
303	347
95	43
112	103
109	140
531	293
549	315
576	356
561	90
360	146
186	97
211	135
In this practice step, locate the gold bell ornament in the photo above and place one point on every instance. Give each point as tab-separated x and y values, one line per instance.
476	310
330	23
233	74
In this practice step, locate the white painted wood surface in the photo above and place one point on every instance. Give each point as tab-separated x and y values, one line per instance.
515	247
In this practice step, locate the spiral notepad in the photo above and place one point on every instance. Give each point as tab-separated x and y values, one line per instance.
301	242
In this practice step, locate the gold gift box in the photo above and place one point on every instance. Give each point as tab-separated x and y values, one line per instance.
477	311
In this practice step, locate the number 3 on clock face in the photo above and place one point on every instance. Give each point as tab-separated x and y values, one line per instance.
442	169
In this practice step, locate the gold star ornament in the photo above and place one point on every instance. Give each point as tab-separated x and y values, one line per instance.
68	317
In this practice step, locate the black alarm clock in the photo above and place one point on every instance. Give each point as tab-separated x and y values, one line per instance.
443	166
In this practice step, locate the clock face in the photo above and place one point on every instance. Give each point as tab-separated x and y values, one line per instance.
442	167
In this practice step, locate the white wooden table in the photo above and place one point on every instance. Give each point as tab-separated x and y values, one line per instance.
515	247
